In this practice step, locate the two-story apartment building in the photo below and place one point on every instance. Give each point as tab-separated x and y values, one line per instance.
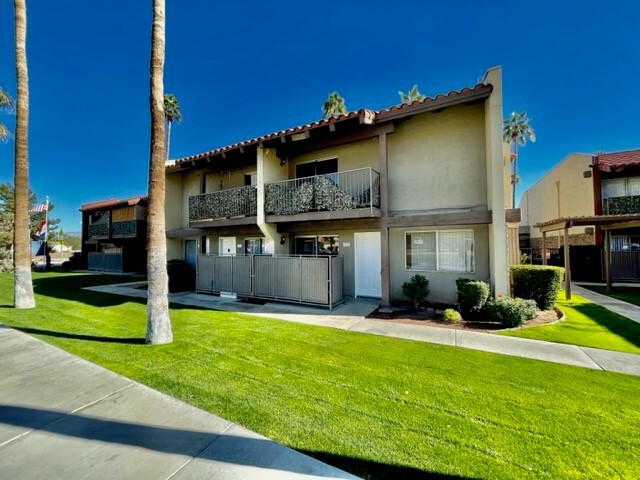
114	235
594	194
351	206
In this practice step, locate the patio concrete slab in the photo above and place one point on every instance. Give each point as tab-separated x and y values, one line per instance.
619	362
523	347
64	418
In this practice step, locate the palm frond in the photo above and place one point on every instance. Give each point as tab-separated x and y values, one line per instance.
172	108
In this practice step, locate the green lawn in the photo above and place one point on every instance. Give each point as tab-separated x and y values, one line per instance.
588	325
378	407
626	294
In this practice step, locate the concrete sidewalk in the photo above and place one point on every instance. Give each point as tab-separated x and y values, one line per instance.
625	309
352	315
62	417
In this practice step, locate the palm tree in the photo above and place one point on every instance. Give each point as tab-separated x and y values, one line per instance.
7	104
171	113
516	130
22	283
158	321
333	106
411	96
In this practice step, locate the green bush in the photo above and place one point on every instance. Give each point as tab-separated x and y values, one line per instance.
472	296
511	312
416	289
451	316
537	282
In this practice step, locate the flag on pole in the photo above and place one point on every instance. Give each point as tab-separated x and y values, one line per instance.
42	229
43	207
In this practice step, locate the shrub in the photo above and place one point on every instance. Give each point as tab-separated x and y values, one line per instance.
537	282
511	312
472	296
416	289
451	316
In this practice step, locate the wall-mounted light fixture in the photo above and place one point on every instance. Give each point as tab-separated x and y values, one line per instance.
283	239
283	161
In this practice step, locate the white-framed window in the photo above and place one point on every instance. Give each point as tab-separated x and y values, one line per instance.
620	187
440	251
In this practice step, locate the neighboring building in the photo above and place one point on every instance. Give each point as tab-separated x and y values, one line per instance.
353	205
602	188
114	235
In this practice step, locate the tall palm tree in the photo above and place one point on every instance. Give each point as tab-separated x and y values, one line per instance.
7	104
516	130
158	321
412	95
22	283
333	106
171	113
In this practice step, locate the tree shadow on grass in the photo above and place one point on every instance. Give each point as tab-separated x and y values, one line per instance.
75	336
615	323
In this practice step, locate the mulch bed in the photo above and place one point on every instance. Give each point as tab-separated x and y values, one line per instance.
432	317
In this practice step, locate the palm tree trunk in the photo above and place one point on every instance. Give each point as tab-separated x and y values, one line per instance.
22	284
168	136
514	176
158	321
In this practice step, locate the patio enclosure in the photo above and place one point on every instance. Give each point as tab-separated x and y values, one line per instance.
300	279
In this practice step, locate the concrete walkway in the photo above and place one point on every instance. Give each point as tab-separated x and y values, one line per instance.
62	417
351	316
625	309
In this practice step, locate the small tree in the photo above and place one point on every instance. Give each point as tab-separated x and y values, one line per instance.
416	289
172	114
7	104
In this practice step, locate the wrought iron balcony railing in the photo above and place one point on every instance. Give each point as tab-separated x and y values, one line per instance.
234	202
348	190
621	205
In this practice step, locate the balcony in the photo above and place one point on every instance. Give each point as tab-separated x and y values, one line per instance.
127	229
621	205
226	204
98	230
349	194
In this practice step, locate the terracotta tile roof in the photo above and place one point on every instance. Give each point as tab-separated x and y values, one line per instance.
617	161
366	117
113	203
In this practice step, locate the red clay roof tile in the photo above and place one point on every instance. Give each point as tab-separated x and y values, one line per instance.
112	203
616	161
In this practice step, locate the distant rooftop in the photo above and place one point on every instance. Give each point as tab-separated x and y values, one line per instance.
113	203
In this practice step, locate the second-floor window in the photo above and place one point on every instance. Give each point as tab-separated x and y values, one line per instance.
317	167
620	187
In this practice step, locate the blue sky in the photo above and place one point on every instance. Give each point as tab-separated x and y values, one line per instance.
243	69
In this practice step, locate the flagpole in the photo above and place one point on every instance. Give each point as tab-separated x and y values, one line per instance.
46	224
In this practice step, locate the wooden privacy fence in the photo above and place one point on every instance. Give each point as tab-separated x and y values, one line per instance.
290	278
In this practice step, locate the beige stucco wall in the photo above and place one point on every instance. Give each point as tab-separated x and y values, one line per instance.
190	186
173	201
351	156
437	161
442	285
562	192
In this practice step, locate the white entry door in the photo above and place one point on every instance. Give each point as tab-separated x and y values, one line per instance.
227	246
367	264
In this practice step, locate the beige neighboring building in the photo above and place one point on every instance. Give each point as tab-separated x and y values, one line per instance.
598	197
353	205
565	191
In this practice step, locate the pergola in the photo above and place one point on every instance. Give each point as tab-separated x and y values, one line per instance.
606	222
